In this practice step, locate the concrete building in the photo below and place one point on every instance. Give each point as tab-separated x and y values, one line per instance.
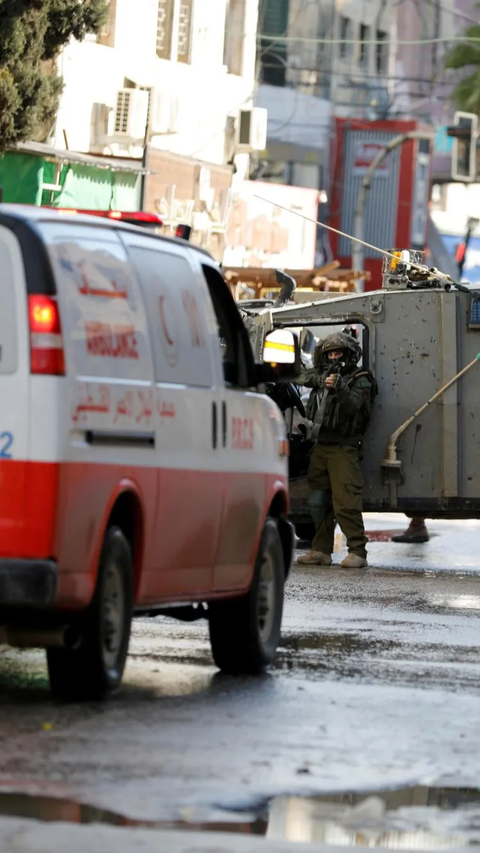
175	73
352	53
298	134
423	86
317	61
329	51
170	84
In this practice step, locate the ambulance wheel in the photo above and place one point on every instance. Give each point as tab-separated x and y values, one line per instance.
94	667
245	632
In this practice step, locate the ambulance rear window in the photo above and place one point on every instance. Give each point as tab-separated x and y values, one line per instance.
38	272
8	324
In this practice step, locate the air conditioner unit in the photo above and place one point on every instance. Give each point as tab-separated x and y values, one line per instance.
101	123
131	111
164	112
252	130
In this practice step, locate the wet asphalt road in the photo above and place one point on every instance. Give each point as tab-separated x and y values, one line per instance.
377	684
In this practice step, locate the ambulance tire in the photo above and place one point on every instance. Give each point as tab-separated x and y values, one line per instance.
245	632
93	668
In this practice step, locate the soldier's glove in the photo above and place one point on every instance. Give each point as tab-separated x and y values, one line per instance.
337	383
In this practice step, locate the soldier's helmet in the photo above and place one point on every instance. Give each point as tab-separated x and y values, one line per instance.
340	341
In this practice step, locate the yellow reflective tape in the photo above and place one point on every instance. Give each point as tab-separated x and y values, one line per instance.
272	345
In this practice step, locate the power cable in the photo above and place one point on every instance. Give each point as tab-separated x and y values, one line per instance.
379	77
404	42
419	267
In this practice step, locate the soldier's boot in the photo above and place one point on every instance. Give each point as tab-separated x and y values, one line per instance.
315	558
415	532
354	561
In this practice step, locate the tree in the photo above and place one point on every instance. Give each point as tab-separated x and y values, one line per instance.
32	32
465	56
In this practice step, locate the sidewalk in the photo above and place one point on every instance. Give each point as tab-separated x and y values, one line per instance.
22	836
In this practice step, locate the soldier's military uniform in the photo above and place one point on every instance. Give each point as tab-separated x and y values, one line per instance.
340	416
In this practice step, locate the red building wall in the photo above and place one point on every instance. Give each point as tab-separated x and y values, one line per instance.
390	200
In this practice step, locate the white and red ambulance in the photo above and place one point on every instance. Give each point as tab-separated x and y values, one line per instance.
140	469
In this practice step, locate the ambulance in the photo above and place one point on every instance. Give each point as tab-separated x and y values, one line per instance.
142	470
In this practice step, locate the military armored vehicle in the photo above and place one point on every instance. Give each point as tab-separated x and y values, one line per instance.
420	335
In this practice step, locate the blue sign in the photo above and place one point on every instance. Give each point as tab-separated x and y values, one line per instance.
471	270
443	143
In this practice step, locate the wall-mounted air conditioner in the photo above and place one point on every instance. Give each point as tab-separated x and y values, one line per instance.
131	111
164	112
102	123
252	130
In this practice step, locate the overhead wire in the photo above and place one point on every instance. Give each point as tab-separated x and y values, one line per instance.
380	77
404	42
419	267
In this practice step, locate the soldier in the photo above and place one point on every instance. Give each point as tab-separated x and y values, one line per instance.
340	407
415	532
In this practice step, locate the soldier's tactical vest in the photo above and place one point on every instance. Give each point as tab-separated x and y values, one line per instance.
325	409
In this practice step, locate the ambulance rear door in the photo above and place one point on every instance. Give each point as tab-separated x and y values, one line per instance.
110	430
188	417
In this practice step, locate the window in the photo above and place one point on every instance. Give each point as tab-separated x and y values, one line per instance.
87	261
233	340
345	33
165	28
273	63
175	314
106	35
234	36
364	48
274	16
382	52
273	54
185	31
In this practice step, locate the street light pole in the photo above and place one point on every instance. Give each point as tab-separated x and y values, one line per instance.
357	248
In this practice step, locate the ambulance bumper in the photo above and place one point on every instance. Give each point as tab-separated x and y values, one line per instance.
27	583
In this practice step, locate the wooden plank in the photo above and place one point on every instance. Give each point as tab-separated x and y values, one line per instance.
329	277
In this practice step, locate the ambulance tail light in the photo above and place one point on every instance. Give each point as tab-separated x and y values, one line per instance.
46	341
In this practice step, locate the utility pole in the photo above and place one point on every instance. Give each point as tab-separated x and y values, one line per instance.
332	64
143	176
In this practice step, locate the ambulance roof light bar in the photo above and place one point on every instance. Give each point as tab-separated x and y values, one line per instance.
136	217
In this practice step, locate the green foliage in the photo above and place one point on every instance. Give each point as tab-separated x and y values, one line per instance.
32	32
68	18
466	56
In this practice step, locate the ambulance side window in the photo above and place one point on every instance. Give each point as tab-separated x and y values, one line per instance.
181	347
233	340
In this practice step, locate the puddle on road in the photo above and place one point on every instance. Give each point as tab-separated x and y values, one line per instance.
418	818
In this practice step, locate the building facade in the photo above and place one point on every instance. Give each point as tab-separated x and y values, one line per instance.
169	84
423	86
172	73
329	51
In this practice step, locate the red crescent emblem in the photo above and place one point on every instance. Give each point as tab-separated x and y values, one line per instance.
163	321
